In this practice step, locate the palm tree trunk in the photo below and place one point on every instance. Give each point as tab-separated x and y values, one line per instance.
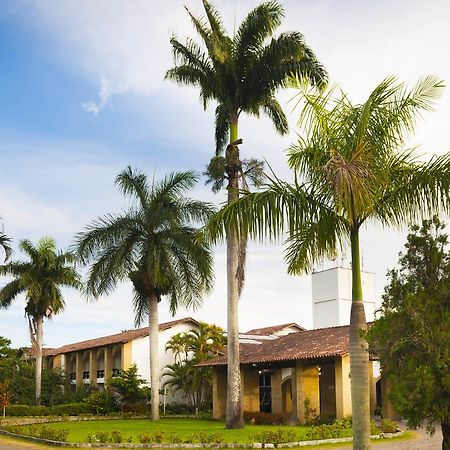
445	427
154	357
359	355
234	414
38	349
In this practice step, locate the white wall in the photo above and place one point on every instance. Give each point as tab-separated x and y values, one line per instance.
332	294
140	355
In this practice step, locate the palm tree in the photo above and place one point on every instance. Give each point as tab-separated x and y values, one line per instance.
242	73
5	244
353	169
40	279
156	247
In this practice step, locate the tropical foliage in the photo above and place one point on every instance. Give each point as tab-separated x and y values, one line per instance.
412	335
155	245
5	244
40	279
350	168
191	349
242	74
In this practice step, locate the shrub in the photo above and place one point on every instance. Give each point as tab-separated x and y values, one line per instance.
178	409
388	426
311	416
275	437
134	408
261	418
72	409
53	434
144	438
326	431
102	437
102	403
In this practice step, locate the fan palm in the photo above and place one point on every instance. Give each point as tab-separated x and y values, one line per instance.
353	169
155	245
242	73
40	279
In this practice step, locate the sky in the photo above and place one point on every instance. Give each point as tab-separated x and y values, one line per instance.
83	95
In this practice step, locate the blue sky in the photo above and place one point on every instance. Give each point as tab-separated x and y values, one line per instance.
83	96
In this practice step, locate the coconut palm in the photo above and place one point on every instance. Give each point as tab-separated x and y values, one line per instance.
154	245
242	73
40	279
351	168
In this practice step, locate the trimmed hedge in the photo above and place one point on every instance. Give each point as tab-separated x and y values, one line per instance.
69	409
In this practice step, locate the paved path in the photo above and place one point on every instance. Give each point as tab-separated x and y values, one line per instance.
421	441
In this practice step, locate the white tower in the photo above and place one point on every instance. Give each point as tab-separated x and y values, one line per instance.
332	296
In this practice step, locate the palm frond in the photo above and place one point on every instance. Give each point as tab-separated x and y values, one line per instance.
222	127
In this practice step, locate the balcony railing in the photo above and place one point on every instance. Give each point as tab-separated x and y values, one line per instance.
116	372
101	373
73	376
86	375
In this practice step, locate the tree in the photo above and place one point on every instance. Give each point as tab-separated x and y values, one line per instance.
128	385
412	335
349	169
40	279
242	73
5	244
155	246
198	345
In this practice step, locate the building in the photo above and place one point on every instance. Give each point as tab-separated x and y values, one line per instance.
279	373
95	360
332	296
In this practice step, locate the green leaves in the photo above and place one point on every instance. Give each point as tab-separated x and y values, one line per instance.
154	243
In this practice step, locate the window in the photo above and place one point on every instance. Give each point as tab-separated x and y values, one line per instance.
265	395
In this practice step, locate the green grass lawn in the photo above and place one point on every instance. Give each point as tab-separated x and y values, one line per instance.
182	428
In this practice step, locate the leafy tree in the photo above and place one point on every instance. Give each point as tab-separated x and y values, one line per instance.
242	73
18	370
40	279
128	385
350	168
154	245
185	375
412	335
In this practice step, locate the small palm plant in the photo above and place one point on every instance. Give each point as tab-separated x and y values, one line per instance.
156	246
242	74
40	279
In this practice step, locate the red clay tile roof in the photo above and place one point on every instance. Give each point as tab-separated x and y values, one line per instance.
274	329
119	338
310	344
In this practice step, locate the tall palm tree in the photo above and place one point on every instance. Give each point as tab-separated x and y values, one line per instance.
40	279
350	169
155	245
5	244
242	73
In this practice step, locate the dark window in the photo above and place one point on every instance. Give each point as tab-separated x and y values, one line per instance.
265	396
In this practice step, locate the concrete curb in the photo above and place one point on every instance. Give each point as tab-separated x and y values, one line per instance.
218	445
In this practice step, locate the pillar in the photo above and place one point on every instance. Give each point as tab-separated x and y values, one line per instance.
277	396
108	362
250	384
373	390
126	356
93	366
305	386
79	367
387	410
343	392
219	391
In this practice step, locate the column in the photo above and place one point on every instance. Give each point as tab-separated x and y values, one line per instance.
219	392
93	367
250	383
108	362
275	384
343	392
79	367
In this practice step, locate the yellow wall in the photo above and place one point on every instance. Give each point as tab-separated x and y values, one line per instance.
250	380
126	355
219	392
343	393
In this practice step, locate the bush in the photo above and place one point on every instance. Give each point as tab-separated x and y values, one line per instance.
72	409
102	403
144	438
43	432
178	409
326	431
261	418
388	426
274	437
